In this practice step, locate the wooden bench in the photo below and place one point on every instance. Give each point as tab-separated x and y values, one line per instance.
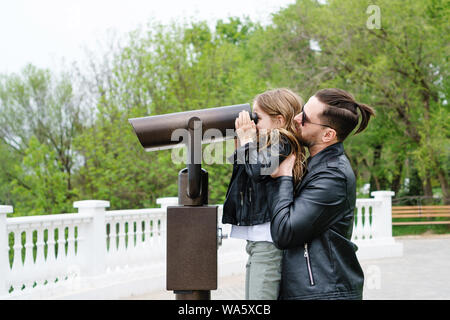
420	212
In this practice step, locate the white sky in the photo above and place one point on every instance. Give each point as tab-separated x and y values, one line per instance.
43	32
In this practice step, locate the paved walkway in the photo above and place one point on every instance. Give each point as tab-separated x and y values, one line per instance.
422	273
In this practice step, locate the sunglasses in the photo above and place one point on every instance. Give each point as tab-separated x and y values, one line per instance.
305	119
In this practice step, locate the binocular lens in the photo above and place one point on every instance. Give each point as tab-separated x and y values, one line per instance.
160	131
254	117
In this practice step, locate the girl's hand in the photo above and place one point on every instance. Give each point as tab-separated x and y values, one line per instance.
245	128
285	168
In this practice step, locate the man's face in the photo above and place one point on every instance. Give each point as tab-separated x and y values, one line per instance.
310	133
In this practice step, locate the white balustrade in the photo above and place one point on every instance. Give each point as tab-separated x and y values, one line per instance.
61	255
48	260
366	215
372	229
4	250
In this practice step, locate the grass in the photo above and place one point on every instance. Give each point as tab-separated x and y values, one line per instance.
420	229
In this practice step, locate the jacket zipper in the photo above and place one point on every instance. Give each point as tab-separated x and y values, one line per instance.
308	264
250	194
240	209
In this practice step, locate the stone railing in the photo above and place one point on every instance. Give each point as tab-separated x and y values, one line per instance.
372	227
99	254
52	255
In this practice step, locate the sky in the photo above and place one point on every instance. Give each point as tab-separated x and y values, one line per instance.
47	32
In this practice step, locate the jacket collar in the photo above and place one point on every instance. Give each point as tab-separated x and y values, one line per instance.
333	150
320	159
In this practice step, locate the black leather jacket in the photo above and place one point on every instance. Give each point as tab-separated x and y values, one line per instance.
246	198
314	225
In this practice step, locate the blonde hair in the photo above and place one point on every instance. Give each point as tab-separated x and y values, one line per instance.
285	102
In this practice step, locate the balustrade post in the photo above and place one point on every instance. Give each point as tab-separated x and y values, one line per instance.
168	201
164	203
93	237
4	249
383	226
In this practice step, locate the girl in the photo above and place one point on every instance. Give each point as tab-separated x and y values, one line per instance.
254	160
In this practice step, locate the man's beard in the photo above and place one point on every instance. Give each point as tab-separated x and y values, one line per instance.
306	143
302	140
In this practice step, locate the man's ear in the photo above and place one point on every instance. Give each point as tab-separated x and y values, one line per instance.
329	135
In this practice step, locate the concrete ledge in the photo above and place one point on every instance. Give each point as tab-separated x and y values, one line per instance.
382	248
91	204
6	209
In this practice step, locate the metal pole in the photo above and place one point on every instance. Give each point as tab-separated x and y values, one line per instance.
194	157
193	295
194	190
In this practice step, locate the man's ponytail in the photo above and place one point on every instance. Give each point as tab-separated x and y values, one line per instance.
366	113
341	112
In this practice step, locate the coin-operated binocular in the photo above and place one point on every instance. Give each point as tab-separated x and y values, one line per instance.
192	234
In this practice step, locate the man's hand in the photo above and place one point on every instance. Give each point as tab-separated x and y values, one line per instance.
245	128
285	168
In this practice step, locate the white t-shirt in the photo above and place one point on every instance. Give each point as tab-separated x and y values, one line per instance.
257	232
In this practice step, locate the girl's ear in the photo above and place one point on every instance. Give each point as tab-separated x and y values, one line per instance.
281	121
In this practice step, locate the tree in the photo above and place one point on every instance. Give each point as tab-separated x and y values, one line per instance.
39	111
39	183
161	70
400	69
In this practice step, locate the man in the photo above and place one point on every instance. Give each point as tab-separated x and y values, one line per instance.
313	221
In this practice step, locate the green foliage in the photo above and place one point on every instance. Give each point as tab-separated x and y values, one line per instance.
39	183
167	69
52	154
235	31
39	117
399	69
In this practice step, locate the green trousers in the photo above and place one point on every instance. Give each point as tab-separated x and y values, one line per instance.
263	271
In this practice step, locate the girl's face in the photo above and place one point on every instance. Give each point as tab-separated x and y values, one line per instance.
265	121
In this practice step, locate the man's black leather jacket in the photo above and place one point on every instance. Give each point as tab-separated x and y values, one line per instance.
246	198
313	224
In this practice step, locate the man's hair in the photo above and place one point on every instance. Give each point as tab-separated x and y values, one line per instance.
341	113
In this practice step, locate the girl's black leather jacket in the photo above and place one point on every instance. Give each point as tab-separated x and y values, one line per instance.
246	199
